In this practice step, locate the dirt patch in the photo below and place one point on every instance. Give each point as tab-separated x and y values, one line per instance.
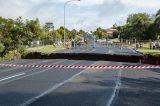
85	56
150	59
146	59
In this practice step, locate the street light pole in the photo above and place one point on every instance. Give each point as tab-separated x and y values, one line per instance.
65	18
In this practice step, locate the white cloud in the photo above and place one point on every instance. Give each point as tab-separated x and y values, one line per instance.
112	8
83	2
143	3
13	8
87	14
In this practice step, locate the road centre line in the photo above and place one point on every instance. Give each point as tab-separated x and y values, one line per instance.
13	76
92	50
52	88
116	89
33	73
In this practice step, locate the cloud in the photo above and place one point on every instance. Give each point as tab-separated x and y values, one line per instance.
143	3
87	14
83	3
111	8
14	8
45	11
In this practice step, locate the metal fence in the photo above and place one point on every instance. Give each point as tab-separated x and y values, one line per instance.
38	43
136	44
141	44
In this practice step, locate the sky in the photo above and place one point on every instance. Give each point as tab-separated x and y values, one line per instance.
84	14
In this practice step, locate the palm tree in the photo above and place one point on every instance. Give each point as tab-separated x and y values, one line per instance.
158	13
157	24
157	21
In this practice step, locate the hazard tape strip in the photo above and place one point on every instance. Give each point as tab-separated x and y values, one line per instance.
77	66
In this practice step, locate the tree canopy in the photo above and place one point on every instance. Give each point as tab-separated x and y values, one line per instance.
100	33
141	26
17	33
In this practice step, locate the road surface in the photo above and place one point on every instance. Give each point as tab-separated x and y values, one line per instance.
103	50
78	87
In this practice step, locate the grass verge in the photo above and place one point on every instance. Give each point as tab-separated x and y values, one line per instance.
149	51
45	49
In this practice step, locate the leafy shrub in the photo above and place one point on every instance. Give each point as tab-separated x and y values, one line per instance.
1	47
24	54
12	55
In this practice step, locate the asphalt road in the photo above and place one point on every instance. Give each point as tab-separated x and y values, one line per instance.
78	87
112	49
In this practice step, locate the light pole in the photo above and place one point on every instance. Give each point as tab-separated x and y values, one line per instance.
65	18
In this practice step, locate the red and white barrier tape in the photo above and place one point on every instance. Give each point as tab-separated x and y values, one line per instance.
76	66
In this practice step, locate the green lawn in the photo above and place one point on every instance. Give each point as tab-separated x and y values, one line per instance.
145	46
45	49
148	51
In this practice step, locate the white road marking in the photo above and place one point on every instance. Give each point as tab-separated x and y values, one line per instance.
24	76
34	73
116	89
51	89
132	50
110	52
10	69
92	50
12	76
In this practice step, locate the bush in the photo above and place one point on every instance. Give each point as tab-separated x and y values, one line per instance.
1	47
1	59
12	55
24	54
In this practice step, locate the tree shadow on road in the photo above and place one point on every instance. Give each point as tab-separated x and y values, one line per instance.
154	70
139	92
137	64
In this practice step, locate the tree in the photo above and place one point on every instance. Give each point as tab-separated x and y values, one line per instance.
153	32
81	33
55	35
17	33
73	34
61	32
33	30
100	33
48	26
115	26
125	31
158	13
139	24
137	27
9	34
157	24
1	47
